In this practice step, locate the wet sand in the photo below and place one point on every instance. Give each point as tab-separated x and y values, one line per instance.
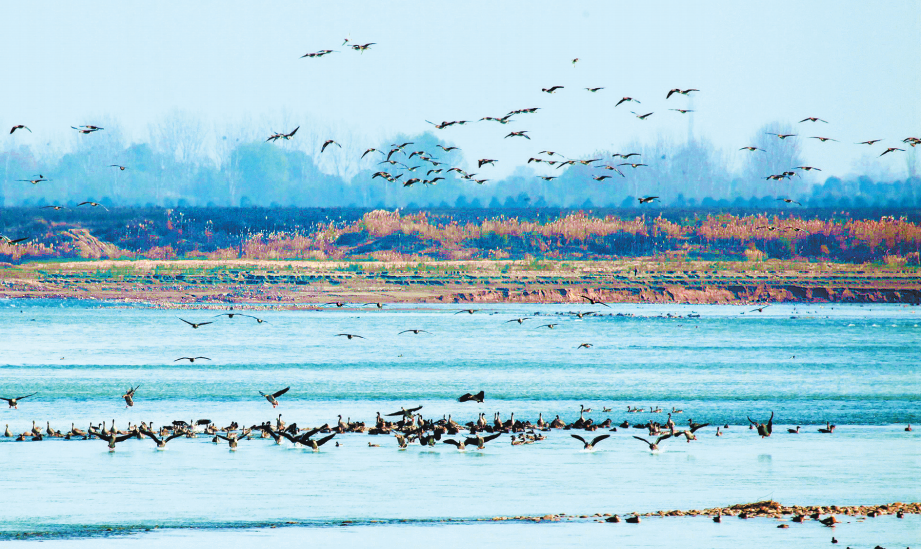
299	284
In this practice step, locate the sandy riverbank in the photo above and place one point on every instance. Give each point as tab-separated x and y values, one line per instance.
291	284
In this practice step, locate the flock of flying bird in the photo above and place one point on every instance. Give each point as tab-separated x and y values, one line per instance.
436	170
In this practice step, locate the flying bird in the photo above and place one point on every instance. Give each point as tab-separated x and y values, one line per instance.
91	203
808	168
600	178
813	119
414	331
869	142
641	117
272	397
120	167
404	412
683	111
552	89
482	162
781	136
478	397
349	336
35	181
764	430
87	129
584	345
595	301
890	150
196	325
654	446
192	359
750	148
821	139
361	48
55	207
327	143
9	241
129	396
590	445
18	126
520	133
593	90
788	201
632	165
626	98
647	199
14	402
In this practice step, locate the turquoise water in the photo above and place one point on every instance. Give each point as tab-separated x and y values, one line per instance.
855	366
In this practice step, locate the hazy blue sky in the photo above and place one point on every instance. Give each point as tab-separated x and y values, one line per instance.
855	64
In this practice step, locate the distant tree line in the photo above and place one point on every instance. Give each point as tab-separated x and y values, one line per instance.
176	169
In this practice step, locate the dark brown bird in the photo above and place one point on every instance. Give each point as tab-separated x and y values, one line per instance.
414	331
595	301
91	203
120	167
641	117
192	359
822	139
551	90
890	150
781	136
813	119
9	241
869	142
593	90
647	199
196	325
750	148
626	98
18	126
14	402
349	336
327	143
482	162
478	397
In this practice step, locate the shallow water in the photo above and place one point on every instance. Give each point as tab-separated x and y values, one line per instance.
855	366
